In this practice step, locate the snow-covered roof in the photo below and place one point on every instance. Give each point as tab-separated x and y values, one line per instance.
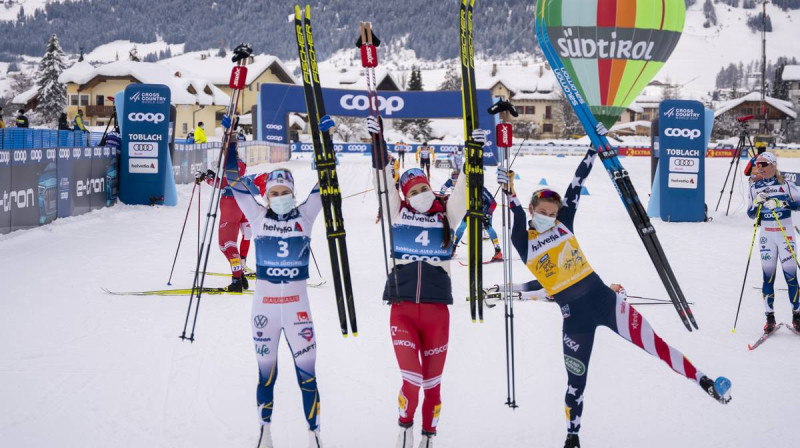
333	77
781	105
296	120
631	126
77	70
25	96
218	69
552	95
533	78
186	87
791	73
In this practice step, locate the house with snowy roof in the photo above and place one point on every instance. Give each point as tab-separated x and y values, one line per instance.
791	74
262	68
779	112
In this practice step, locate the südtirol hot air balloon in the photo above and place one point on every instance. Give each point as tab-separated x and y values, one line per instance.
611	48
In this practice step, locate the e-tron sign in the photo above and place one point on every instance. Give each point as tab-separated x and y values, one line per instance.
276	101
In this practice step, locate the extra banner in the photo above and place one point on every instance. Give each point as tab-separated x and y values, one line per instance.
145	168
276	101
682	150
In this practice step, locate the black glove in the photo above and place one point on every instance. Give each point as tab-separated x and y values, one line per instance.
211	175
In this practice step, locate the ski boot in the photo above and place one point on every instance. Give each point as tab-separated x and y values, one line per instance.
427	439
265	440
796	320
246	270
572	441
245	283
769	327
720	389
406	437
498	255
313	439
236	285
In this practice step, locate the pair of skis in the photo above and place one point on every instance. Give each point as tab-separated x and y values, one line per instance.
325	161
241	55
766	336
368	46
619	176
473	163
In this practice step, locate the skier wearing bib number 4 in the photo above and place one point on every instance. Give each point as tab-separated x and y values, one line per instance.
282	237
773	198
547	245
419	290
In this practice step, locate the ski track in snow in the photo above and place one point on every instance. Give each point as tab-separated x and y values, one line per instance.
98	370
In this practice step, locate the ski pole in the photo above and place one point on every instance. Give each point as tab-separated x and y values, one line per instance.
359	193
746	269
512	163
188	209
315	262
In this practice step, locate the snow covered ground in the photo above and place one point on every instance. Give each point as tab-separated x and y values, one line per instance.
79	368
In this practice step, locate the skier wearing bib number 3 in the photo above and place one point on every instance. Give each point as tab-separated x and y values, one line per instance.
282	237
775	198
547	245
419	290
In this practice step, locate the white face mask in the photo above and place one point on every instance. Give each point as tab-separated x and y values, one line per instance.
282	204
542	223
422	202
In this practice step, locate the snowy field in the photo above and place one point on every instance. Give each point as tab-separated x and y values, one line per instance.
79	368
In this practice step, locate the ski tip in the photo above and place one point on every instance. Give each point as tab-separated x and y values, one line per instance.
474	321
344	335
481	320
355	334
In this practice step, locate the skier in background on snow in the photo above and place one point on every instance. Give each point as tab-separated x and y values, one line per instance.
401	149
775	198
489	204
425	157
547	245
282	233
419	290
231	221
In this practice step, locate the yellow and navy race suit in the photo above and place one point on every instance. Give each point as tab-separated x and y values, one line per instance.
558	263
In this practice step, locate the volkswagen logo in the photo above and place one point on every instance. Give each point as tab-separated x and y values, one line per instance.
260	321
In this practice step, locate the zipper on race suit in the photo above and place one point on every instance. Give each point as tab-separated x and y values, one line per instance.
419	279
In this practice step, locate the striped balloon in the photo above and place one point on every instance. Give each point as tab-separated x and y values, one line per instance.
612	48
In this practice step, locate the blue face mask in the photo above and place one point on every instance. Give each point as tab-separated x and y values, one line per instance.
282	204
542	223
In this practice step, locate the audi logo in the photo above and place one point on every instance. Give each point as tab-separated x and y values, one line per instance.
5	157
63	153
36	154
143	146
283	272
274	127
683	162
691	134
361	102
150	117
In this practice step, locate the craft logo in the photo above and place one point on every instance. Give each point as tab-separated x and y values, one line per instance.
361	102
307	333
305	350
260	321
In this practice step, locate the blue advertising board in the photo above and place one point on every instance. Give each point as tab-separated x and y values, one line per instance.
682	150
277	100
146	169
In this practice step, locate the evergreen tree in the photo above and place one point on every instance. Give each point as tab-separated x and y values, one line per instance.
133	55
221	53
52	94
419	129
780	88
452	79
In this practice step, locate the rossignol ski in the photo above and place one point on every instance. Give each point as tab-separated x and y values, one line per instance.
325	161
619	175
241	55
764	337
368	45
473	164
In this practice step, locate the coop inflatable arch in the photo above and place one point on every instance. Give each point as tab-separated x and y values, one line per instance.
276	101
